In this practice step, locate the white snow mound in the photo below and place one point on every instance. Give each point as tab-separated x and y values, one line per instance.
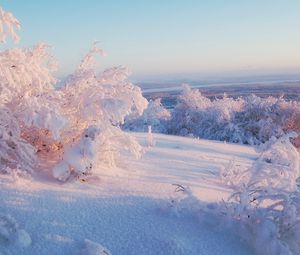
93	248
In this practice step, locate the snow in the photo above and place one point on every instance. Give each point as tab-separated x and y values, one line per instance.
23	238
61	171
92	248
127	210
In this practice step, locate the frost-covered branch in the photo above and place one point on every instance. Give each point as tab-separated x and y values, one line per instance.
8	26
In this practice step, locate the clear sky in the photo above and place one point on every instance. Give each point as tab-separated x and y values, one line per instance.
172	38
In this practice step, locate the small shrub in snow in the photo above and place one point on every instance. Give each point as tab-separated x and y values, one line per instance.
264	205
182	202
265	199
150	139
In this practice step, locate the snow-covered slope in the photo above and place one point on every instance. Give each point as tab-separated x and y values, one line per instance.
128	210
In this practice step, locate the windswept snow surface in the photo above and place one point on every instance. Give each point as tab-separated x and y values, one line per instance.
127	210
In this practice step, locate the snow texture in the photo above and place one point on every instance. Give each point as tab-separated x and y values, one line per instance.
134	209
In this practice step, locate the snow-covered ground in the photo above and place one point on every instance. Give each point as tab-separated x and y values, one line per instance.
128	210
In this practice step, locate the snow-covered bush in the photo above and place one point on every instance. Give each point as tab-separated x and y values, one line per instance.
95	104
262	118
196	115
26	99
263	206
155	115
250	120
265	199
183	202
71	129
29	96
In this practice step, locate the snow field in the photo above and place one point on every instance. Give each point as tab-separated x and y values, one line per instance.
129	210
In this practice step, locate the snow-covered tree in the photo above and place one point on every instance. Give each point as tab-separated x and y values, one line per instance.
95	104
155	115
249	120
70	130
28	100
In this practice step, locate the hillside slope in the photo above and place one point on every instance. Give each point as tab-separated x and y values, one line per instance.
128	210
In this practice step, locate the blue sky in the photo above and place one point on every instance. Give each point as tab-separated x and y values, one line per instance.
171	38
